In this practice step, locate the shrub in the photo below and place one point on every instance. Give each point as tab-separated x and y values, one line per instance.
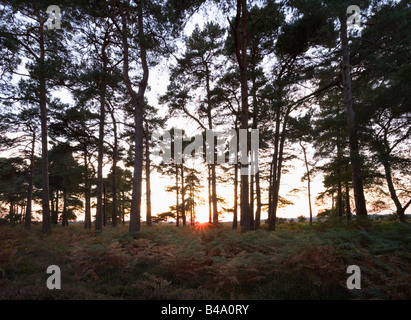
301	219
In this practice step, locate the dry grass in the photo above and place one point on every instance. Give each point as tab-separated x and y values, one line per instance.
163	262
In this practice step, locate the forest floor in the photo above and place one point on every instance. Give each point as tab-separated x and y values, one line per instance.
207	262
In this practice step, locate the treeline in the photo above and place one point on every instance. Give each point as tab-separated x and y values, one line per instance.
319	90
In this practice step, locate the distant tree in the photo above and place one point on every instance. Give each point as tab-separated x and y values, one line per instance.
77	126
196	73
65	177
45	55
13	177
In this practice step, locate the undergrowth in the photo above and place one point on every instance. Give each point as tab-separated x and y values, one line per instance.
208	262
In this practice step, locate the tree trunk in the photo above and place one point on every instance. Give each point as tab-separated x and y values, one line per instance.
64	214
27	220
123	207
210	219
55	217
104	205
347	198
273	184
138	103
135	211
148	180
103	88
183	202
99	190
46	224
257	221
308	182
87	212
235	209
270	194
214	193
177	199
279	141
114	212
388	176
240	45
252	201
358	187
213	171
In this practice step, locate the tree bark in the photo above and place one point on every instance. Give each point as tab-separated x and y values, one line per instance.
177	199
308	182
235	210
347	198
99	190
277	162
240	45
64	214
114	212
87	210
27	220
183	202
103	88
257	221
46	224
148	180
135	211
358	187
138	103
210	219
388	176
340	204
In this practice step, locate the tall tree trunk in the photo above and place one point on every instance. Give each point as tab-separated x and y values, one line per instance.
177	199
340	204
388	176
148	180
214	193
358	187
138	104
213	169
27	220
135	211
55	217
46	224
277	162
257	221
104	205
64	214
192	203
240	44
114	212
123	207
270	194
210	219
183	202
308	182
99	190
273	184
347	196
252	201
235	209
87	192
